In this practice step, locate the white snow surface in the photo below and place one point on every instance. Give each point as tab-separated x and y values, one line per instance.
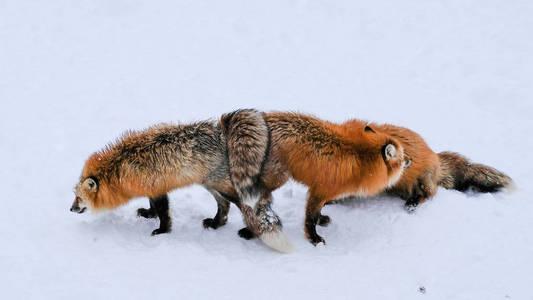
75	74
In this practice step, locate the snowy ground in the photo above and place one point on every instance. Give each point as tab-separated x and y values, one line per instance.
75	74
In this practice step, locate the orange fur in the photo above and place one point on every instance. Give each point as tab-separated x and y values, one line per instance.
342	159
429	170
424	172
136	165
333	160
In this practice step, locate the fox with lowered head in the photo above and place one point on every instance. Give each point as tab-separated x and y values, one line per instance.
358	159
246	155
240	160
165	157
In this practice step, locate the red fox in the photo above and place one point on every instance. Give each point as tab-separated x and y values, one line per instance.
165	157
333	160
430	170
242	160
355	158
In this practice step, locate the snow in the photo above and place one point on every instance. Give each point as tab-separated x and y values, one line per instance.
75	74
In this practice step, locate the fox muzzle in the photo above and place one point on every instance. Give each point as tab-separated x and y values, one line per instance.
76	206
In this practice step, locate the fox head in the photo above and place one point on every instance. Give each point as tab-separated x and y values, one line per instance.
86	192
90	191
100	187
393	158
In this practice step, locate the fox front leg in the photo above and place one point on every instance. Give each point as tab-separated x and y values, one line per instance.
414	198
220	219
424	189
312	218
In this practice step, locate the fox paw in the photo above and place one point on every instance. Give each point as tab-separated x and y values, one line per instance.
410	207
315	240
246	234
160	231
211	223
324	220
146	213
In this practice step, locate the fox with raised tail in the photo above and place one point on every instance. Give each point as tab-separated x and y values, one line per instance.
165	157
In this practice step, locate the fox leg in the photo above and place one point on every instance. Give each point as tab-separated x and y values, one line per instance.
412	203
424	189
312	217
160	205
221	217
223	203
413	197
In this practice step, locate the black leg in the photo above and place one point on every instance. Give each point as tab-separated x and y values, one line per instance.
418	195
310	229
415	198
160	205
312	214
221	217
410	206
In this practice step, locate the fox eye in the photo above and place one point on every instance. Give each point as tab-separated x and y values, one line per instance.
90	184
369	129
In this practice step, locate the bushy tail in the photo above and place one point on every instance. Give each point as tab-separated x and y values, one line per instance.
248	142
458	173
263	222
248	138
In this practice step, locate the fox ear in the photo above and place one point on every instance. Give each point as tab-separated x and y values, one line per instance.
368	128
90	184
390	151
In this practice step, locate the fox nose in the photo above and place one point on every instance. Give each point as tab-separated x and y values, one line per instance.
74	208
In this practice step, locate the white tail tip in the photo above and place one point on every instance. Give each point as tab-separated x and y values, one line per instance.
511	188
277	240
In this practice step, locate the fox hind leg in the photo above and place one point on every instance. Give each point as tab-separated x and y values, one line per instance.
160	205
221	217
